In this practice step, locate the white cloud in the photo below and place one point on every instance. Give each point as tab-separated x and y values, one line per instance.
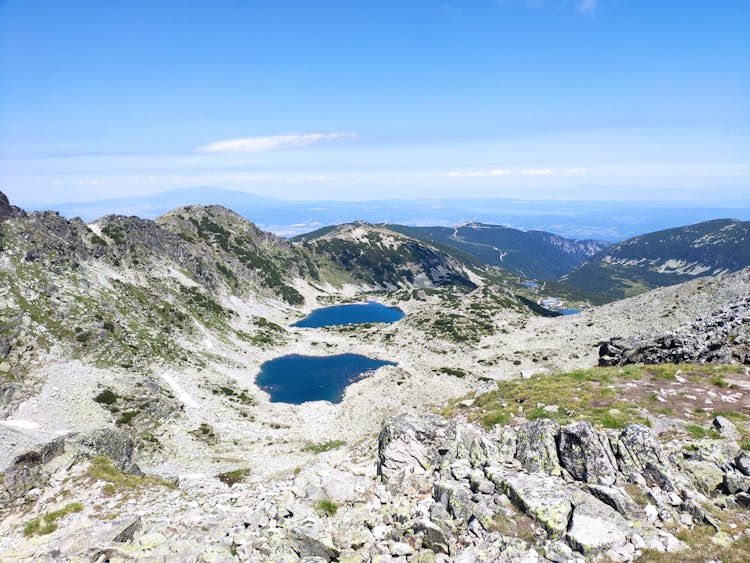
537	172
477	173
260	144
587	6
576	171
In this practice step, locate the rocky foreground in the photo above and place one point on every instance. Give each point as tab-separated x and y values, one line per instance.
439	490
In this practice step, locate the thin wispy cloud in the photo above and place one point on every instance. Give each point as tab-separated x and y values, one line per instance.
477	173
261	144
588	7
503	172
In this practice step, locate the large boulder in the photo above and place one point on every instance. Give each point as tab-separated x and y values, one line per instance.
410	443
586	454
641	458
596	527
411	447
26	471
536	446
109	442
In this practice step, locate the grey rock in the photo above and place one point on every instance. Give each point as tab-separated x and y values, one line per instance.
496	548
307	546
409	442
638	451
711	340
595	527
536	446
456	498
699	514
617	498
558	552
742	462
706	475
726	428
479	483
543	497
26	471
585	454
113	443
473	444
743	499
127	533
433	537
8	211
736	483
505	438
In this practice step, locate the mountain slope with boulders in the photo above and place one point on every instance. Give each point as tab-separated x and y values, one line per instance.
132	427
665	258
385	258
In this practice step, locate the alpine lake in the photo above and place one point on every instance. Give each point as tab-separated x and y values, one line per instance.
297	379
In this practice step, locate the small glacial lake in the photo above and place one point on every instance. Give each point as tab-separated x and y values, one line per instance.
298	379
358	313
569	311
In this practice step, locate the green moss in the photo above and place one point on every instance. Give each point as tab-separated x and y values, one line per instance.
698	431
232	477
324	447
48	523
326	507
103	468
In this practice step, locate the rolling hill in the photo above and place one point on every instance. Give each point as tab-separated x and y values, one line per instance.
665	258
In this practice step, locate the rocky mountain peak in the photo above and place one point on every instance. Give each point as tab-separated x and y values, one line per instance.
7	210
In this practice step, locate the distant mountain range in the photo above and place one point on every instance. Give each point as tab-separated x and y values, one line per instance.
665	258
603	220
530	254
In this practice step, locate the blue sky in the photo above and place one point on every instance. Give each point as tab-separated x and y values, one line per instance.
545	99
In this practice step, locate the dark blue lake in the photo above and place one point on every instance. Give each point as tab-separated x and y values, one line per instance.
297	379
351	314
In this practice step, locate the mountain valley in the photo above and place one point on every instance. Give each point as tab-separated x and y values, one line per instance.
129	349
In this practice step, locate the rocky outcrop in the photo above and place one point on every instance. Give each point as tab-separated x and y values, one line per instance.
571	481
720	338
7	210
30	469
113	443
27	470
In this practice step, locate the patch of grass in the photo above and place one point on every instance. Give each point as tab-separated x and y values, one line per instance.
326	507
106	397
232	477
582	394
701	548
103	468
324	447
719	381
636	493
698	431
48	523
